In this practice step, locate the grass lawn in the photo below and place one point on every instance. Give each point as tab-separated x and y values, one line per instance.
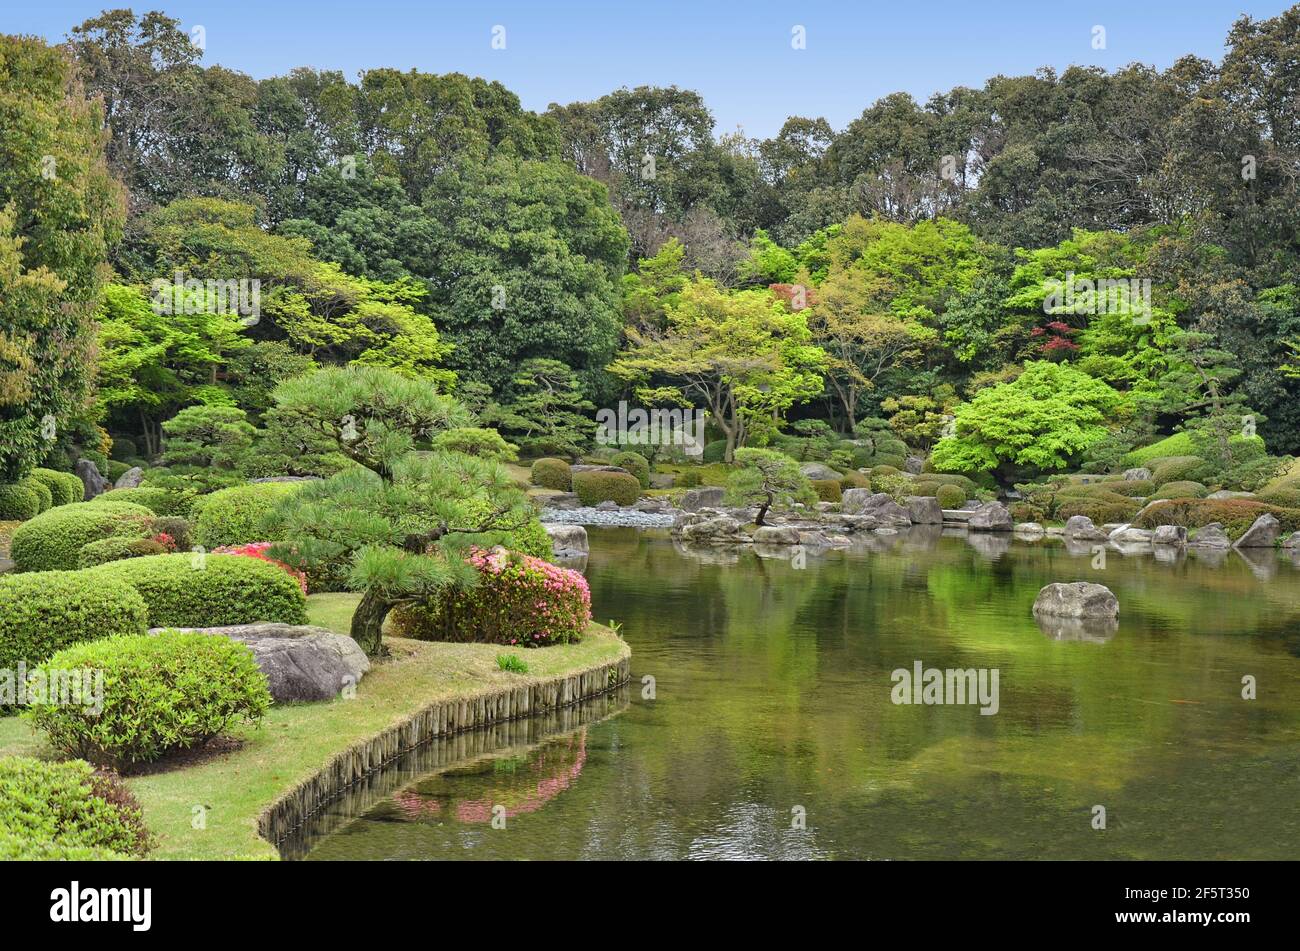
294	741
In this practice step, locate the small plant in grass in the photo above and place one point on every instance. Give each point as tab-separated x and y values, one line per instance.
511	664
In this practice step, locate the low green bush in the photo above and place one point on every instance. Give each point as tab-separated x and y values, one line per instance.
1178	469
198	590
688	479
1283	496
124	449
52	541
114	470
240	514
66	810
157	500
473	441
552	473
1132	488
1182	444
42	492
634	463
950	497
593	488
855	480
1100	510
115	549
18	503
65	488
828	490
715	451
1181	490
1235	515
44	611
161	693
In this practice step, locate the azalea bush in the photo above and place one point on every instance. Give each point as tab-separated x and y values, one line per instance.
518	600
260	550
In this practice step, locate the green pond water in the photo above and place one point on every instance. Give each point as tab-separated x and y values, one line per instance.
772	733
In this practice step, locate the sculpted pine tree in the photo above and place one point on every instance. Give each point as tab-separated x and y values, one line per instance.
768	478
397	525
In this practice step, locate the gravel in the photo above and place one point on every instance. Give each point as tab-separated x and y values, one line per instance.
622	517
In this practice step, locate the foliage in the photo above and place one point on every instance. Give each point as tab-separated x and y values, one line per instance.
115	549
473	441
1182	490
1235	515
552	474
42	612
204	590
65	488
516	599
511	664
950	496
261	551
543	409
594	487
634	463
18	503
828	490
766	479
52	541
163	693
240	514
158	500
68	810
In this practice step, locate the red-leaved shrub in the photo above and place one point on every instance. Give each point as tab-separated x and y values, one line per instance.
258	550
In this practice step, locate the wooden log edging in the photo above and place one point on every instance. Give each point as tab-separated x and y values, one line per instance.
441	719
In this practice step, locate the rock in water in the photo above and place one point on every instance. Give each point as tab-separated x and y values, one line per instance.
776	535
1293	542
879	505
91	480
567	540
1210	536
1263	534
301	662
924	510
130	479
1169	535
1081	527
990	517
1080	599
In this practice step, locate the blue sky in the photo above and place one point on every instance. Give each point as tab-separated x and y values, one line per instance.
738	55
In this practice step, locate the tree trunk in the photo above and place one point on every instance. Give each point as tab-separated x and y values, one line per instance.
368	622
762	510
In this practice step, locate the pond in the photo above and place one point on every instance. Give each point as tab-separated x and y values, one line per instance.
772	731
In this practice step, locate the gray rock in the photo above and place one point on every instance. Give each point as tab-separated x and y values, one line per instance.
1263	534
924	510
714	530
567	539
1080	527
607	506
662	480
880	505
776	535
1169	535
1228	494
704	497
300	662
1134	475
1078	599
990	517
92	482
914	464
1029	528
130	479
563	501
1210	536
1127	534
1293	542
651	505
819	471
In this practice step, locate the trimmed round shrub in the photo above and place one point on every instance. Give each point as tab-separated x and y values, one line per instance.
1101	511
855	480
634	463
688	479
42	492
518	600
115	549
596	487
157	500
172	527
52	541
44	611
240	514
1235	515
67	810
1178	469
124	449
1181	490
828	490
18	503
1133	488
1285	496
950	497
161	693
200	590
552	474
715	451
473	441
65	488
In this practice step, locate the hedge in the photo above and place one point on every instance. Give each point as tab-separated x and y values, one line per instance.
828	490
1100	510
634	463
596	487
115	549
1132	488
1235	515
44	611
1180	444
157	500
52	541
950	497
65	488
66	811
42	492
855	480
1181	490
1179	469
518	600
161	693
1284	496
552	474
18	503
239	515
195	590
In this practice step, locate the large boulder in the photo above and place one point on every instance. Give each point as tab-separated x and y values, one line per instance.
93	483
567	540
1029	529
1127	534
990	517
1228	494
924	510
1137	475
776	535
301	662
1293	542
1080	599
1210	536
714	529
130	479
1263	534
708	496
914	464
819	471
1081	528
1169	535
879	505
